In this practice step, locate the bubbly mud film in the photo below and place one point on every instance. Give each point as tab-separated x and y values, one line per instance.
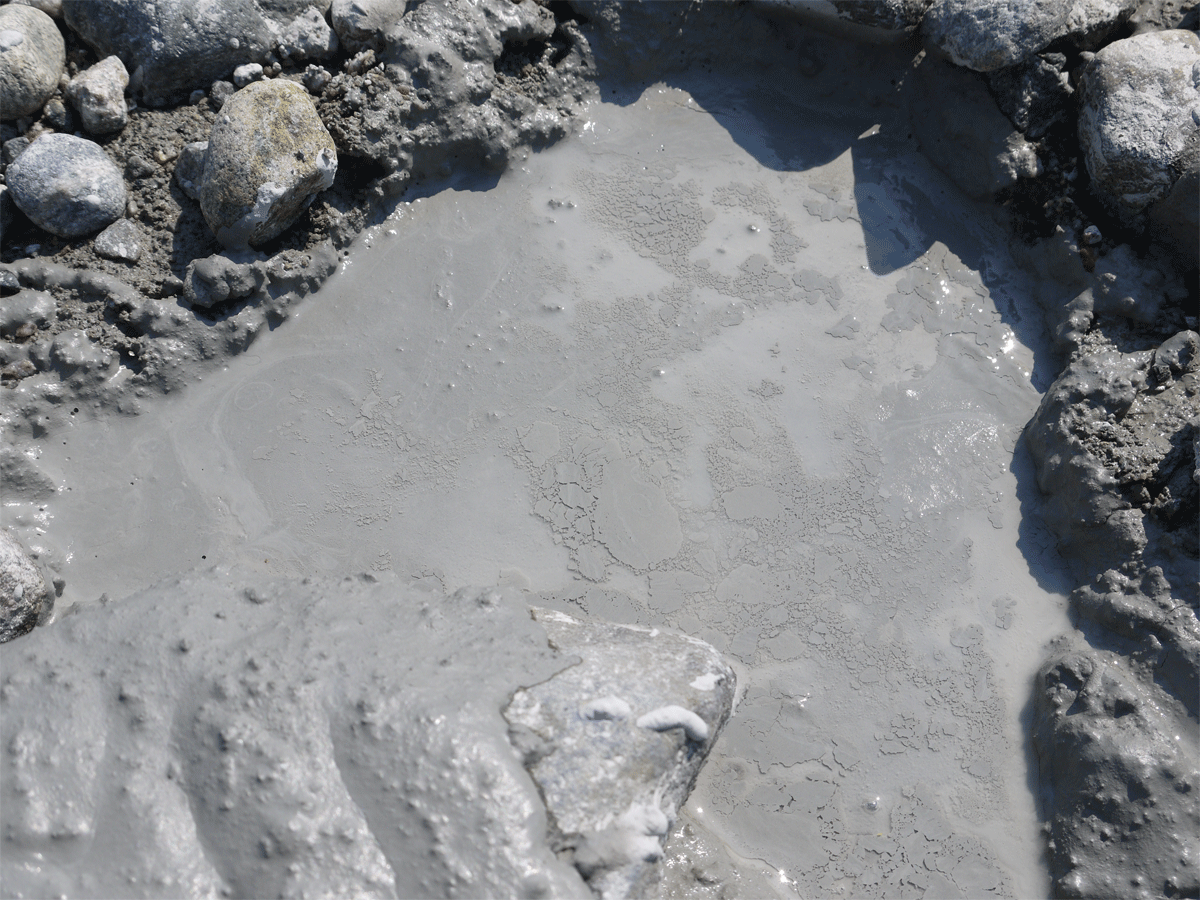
731	358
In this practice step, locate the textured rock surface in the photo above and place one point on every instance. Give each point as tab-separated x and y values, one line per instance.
1118	762
964	134
67	185
1139	125
122	240
987	36
32	54
99	95
1035	95
260	738
1112	442
179	45
638	713
492	67
365	23
23	591
268	157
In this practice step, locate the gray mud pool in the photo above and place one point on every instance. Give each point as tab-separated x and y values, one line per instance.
723	362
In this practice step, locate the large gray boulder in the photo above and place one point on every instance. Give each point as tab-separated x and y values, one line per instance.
32	56
1139	125
217	735
67	185
1118	768
986	36
173	47
268	157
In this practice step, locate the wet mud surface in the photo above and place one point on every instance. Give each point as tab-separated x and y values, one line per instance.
757	377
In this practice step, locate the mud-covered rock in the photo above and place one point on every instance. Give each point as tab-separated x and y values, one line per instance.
988	36
1139	128
175	46
99	95
258	738
1118	766
365	23
223	277
639	712
964	134
1119	285
1156	617
32	56
1035	95
23	591
67	185
268	157
1112	444
454	85
26	311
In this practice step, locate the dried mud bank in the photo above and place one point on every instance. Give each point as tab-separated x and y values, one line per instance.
418	101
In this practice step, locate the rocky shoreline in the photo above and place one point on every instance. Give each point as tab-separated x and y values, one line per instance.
1080	120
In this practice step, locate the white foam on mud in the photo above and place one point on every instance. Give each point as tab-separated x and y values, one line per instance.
776	404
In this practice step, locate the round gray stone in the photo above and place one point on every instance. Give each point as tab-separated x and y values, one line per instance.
268	157
1139	119
32	56
67	185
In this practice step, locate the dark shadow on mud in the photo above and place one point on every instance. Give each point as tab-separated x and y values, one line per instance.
1036	542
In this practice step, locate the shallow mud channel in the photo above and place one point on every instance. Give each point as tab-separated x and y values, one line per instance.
744	367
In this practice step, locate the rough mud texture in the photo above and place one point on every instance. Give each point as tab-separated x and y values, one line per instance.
1119	758
1114	444
352	729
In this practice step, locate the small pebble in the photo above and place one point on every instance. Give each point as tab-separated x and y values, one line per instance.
1092	235
243	75
121	241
